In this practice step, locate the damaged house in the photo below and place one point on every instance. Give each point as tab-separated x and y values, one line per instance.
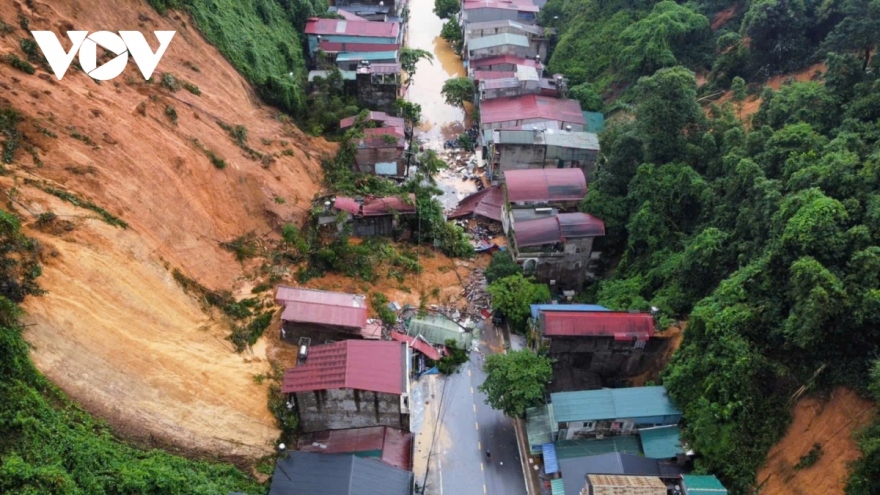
512	149
351	384
381	152
369	216
320	315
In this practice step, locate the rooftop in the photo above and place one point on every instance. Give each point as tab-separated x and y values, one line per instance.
504	59
340	27
347	75
555	229
419	344
384	118
377	366
336	47
375	137
350	56
374	207
661	442
545	184
702	485
595	122
498	40
540	426
621	325
546	137
437	329
612	403
515	108
626	444
307	473
526	28
391	445
539	308
604	484
488	75
379	69
322	307
486	203
519	6
349	16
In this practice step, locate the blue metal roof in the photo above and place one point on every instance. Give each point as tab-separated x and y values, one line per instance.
537	308
702	485
662	442
551	465
613	403
352	56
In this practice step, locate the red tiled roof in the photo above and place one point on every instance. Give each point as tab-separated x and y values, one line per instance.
557	229
617	324
333	47
488	75
520	6
322	307
417	344
384	118
486	203
376	366
395	446
504	59
545	184
531	107
340	27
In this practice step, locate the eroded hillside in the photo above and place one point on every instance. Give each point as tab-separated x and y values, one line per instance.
114	329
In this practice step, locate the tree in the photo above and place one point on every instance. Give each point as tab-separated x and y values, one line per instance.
410	112
501	266
586	94
458	90
669	32
451	32
431	164
515	381
445	9
513	295
409	57
859	31
776	31
738	86
668	113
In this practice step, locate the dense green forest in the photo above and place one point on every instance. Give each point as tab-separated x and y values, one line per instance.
765	236
50	445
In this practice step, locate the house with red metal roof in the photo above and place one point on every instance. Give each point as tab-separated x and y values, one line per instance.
368	216
320	30
320	315
390	445
381	152
515	111
351	384
380	118
521	11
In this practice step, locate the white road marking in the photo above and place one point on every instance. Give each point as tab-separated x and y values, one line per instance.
484	488
475	407
472	390
469	372
482	466
477	426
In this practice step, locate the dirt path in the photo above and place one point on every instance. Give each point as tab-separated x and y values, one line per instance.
830	424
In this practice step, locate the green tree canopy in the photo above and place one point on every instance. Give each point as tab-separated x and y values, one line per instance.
501	266
458	91
409	57
515	381
514	295
446	9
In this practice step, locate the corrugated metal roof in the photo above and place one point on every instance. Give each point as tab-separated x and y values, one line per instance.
557	487
488	75
486	203
519	6
569	449
347	204
545	184
604	484
374	207
307	473
510	82
539	426
661	442
392	446
337	47
480	26
530	107
372	56
557	228
527	73
618	463
322	307
618	324
365	9
595	122
352	28
498	40
551	466
504	59
348	16
377	366
384	118
572	139
436	329
379	69
702	485
538	308
612	403
578	225
418	344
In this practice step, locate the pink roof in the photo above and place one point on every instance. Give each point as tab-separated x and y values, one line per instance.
618	324
395	445
545	184
333	47
417	344
504	59
557	229
486	203
322	307
374	207
530	107
352	28
519	6
376	366
387	120
488	75
349	16
373	138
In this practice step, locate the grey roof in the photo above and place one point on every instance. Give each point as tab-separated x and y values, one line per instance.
479	26
574	470
436	329
550	137
306	473
498	40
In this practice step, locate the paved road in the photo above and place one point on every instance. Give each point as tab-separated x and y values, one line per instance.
469	428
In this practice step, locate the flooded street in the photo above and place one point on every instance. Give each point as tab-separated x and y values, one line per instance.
439	120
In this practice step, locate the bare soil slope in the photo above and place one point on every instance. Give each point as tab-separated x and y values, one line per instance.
830	423
114	330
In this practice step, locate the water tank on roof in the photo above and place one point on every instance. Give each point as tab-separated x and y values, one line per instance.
303	352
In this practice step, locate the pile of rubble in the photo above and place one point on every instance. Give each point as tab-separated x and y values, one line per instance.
477	296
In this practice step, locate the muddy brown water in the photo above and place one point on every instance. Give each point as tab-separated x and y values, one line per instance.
439	120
